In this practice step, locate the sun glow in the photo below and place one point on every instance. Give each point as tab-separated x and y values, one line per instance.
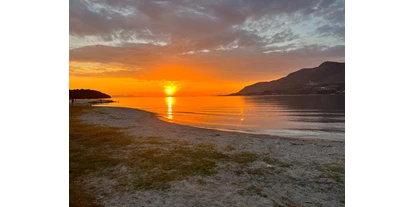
170	89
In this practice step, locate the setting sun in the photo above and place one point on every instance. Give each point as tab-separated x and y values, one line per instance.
170	90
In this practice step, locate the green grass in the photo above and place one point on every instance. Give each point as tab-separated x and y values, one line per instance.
228	148
244	158
156	167
333	176
275	161
276	204
252	190
334	171
236	184
151	163
287	202
202	182
90	150
333	167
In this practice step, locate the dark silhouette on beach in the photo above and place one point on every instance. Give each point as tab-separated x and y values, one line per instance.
86	94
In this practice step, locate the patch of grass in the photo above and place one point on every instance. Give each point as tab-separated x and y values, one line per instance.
202	182
333	171
156	167
238	172
164	166
95	111
276	204
275	161
151	140
90	149
257	171
151	163
205	145
180	142
334	176
288	202
333	167
252	190
236	184
269	160
114	117
228	148
78	197
244	158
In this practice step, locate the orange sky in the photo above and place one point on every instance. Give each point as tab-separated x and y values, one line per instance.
189	82
133	87
204	48
190	78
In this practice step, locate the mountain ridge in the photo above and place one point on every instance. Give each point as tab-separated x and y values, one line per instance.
327	78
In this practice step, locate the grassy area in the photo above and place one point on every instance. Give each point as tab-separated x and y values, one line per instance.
151	162
334	171
252	190
155	166
122	163
104	161
90	150
275	161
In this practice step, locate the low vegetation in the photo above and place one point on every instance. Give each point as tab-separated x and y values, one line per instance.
151	162
124	164
334	171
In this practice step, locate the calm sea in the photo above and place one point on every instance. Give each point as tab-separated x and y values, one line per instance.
303	116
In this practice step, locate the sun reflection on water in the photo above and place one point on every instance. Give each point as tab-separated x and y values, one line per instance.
170	102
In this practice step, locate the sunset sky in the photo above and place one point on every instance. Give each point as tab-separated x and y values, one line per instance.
200	47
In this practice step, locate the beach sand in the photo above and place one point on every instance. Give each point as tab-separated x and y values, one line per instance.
307	172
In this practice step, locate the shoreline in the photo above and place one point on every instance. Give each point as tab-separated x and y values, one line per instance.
137	122
161	118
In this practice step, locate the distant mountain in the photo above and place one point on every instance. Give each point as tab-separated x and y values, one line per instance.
86	94
327	78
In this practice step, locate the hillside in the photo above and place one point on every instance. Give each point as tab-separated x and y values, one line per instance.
327	78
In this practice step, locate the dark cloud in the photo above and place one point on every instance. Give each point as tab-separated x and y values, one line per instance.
224	36
337	16
231	65
284	36
176	17
326	3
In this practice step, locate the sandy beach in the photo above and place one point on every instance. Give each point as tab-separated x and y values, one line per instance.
284	171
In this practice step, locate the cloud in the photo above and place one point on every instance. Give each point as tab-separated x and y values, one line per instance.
332	30
239	38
